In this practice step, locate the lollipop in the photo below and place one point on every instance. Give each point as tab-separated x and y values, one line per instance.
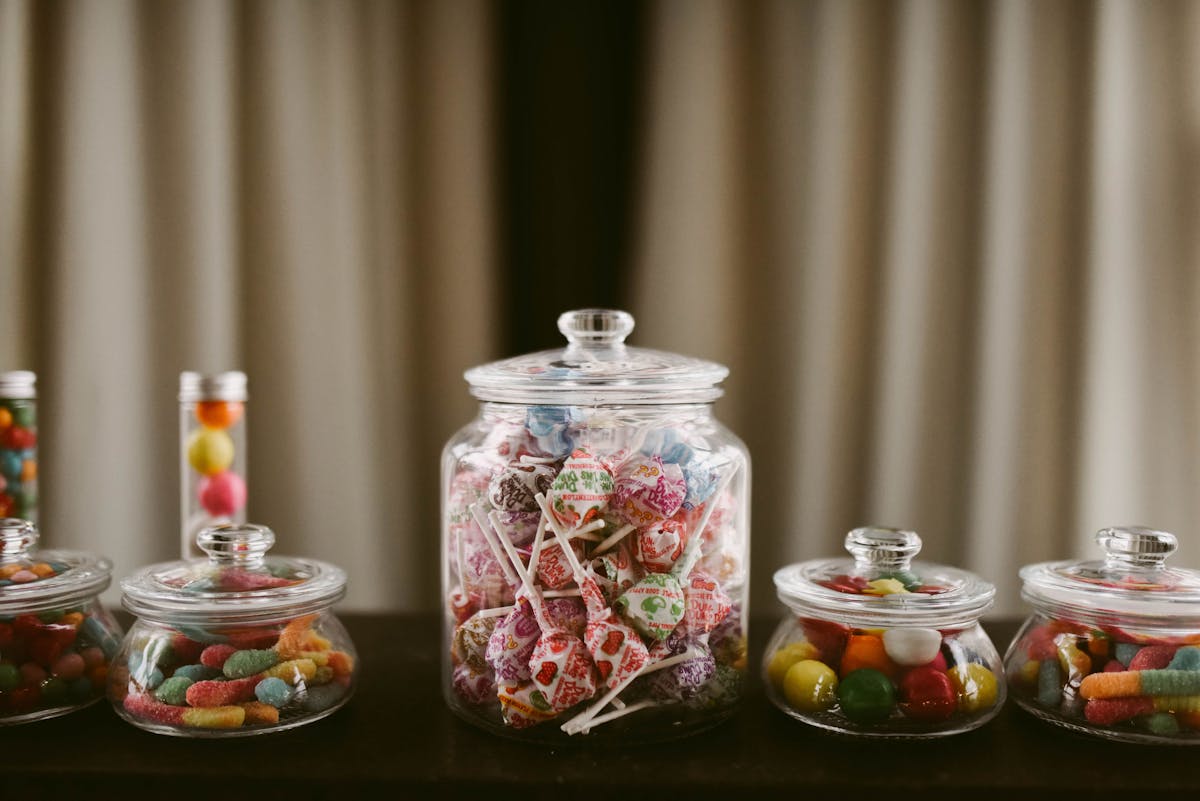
552	427
471	641
560	665
707	603
648	490
659	545
513	488
685	679
523	705
473	686
615	648
513	640
582	489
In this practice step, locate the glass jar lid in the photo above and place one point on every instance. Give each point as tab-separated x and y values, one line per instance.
237	582
882	585
33	580
1133	581
597	367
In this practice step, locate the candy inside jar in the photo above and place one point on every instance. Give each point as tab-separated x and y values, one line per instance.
237	644
594	543
883	646
1113	647
212	430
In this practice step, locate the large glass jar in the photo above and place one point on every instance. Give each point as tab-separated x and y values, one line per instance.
595	539
237	644
882	646
1113	645
56	639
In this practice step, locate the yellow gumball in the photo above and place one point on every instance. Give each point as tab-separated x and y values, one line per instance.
209	451
810	686
787	656
975	686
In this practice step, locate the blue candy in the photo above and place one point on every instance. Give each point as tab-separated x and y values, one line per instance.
1186	658
666	444
1126	651
93	630
273	691
552	427
10	464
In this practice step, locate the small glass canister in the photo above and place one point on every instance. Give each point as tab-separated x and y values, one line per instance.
882	646
595	536
1113	645
212	446
237	644
56	639
18	445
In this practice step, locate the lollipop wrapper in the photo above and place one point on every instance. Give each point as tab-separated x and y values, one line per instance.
581	491
654	606
682	681
553	567
616	649
471	642
514	488
562	670
567	614
523	705
473	686
707	603
512	643
552	428
723	689
648	490
521	527
658	546
618	569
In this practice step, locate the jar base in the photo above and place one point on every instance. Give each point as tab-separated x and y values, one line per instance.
1123	736
47	714
210	734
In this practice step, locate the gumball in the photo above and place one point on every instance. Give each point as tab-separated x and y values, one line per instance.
783	659
219	414
223	494
17	438
24	415
810	686
927	695
912	647
6	504
209	451
10	465
866	651
866	696
6	417
975	686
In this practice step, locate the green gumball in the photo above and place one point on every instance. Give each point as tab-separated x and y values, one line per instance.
866	696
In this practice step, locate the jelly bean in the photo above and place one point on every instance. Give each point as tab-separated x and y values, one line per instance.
222	693
209	451
10	676
927	695
274	691
68	666
216	717
318	699
1186	658
912	647
42	570
1152	657
293	670
219	414
260	713
866	651
866	695
246	663
787	656
810	686
174	690
222	494
1125	652
196	672
975	685
214	656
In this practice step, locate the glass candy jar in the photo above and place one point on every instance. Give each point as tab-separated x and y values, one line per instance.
237	644
595	536
1113	645
56	639
882	646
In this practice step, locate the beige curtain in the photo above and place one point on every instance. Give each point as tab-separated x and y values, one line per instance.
951	251
297	189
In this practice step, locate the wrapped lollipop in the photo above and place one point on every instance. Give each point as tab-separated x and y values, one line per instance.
648	490
513	488
560	665
615	647
707	605
684	680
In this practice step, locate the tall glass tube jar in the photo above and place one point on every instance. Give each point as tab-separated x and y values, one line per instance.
595	543
212	447
18	445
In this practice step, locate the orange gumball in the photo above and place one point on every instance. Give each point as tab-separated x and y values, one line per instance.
28	470
867	651
219	414
5	418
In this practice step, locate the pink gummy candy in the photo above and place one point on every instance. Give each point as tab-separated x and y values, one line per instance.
144	706
1107	711
1152	657
222	693
214	656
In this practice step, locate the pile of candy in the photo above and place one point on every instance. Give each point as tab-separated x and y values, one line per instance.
18	459
594	580
220	491
54	660
247	678
1108	681
901	680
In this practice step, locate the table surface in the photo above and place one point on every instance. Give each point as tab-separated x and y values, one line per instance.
397	734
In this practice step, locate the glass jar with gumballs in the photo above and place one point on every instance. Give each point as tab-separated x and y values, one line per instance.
212	432
595	541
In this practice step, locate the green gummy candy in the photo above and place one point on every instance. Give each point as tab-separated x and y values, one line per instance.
197	672
241	664
1170	682
1162	723
10	677
173	691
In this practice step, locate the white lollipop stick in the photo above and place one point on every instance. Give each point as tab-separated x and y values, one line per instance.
535	596
536	552
613	539
563	542
491	537
586	718
620	713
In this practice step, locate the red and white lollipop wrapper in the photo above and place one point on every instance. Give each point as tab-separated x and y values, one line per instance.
514	487
519	527
512	643
471	642
566	614
462	605
523	705
707	603
484	575
581	491
654	606
618	570
473	686
648	490
616	649
658	546
563	670
553	567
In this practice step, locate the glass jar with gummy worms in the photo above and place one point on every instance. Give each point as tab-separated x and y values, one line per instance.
18	445
882	646
238	644
1113	645
56	639
595	540
212	447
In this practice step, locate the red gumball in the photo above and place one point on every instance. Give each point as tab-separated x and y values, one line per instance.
18	439
927	695
827	637
222	494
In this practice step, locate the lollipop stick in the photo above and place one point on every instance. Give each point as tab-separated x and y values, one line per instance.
563	542
586	718
620	713
613	539
519	566
691	553
491	537
538	542
460	552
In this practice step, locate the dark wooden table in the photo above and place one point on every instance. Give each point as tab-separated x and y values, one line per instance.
398	735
